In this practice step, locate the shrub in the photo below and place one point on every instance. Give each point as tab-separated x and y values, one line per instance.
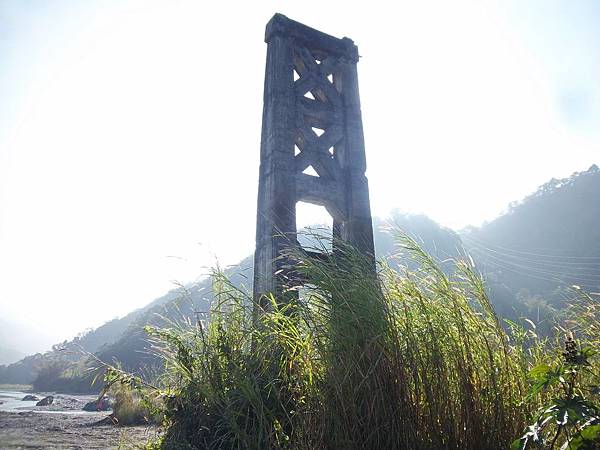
566	383
355	360
128	407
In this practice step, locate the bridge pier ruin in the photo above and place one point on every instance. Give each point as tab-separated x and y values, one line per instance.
311	120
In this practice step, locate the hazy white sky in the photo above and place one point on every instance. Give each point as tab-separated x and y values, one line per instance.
129	130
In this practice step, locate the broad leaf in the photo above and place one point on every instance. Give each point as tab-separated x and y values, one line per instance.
588	439
542	376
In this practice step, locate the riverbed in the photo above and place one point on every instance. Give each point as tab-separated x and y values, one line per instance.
62	425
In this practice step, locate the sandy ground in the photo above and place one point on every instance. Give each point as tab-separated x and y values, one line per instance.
29	430
62	425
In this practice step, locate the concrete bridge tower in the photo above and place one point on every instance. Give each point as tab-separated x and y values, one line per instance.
311	123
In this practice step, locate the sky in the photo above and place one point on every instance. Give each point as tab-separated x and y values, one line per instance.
130	131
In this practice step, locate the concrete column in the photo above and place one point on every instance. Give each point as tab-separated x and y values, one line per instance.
325	96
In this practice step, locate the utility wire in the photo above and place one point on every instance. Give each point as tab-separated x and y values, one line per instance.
540	272
536	276
536	255
589	269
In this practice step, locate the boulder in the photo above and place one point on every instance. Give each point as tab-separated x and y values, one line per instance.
45	401
30	398
102	404
91	406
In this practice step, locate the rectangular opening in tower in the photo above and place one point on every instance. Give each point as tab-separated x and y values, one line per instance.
315	227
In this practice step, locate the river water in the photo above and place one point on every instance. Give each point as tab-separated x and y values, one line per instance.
11	401
62	425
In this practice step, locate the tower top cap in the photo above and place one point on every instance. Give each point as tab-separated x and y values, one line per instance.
280	25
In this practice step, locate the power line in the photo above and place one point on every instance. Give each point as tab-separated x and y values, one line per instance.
540	273
536	276
565	265
536	255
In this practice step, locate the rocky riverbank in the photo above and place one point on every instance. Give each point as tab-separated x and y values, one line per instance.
62	425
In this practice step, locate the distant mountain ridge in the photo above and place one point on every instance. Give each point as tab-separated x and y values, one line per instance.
9	355
18	335
125	341
527	255
132	348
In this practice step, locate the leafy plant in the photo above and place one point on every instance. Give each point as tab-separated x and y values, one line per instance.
401	359
571	420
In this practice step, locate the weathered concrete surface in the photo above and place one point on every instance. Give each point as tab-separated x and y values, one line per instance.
311	118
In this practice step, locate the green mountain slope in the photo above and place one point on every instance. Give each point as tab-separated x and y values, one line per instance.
92	341
132	350
528	256
542	245
125	341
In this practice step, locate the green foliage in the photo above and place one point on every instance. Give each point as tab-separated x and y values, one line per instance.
399	360
571	420
134	401
130	408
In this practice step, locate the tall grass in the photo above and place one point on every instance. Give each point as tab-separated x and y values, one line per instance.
354	360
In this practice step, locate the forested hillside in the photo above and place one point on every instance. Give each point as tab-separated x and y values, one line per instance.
124	339
541	246
97	340
529	256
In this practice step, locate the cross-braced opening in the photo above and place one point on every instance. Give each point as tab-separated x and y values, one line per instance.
310	170
318	131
